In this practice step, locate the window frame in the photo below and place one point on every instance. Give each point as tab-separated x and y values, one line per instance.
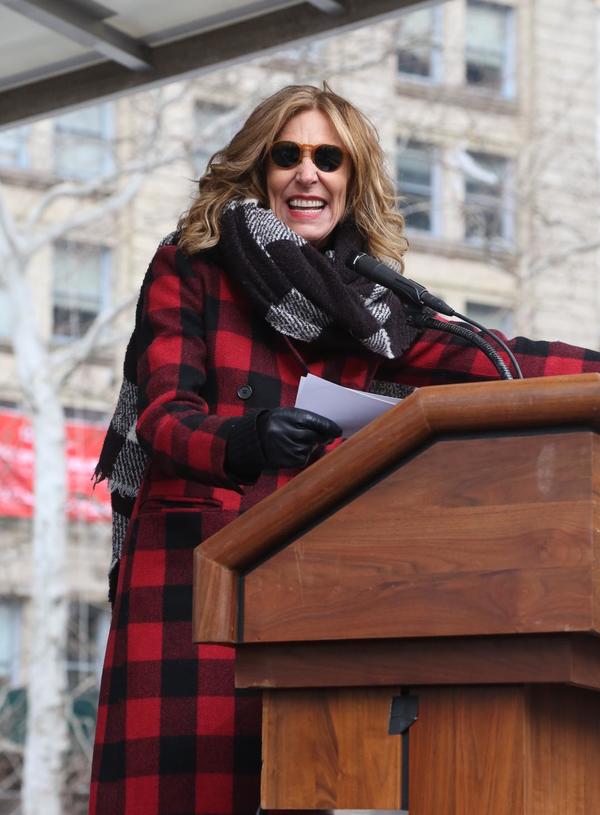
14	606
506	205
506	323
508	79
435	187
219	108
98	615
22	158
5	334
436	51
105	279
105	138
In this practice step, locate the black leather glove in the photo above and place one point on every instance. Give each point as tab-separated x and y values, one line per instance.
281	437
289	436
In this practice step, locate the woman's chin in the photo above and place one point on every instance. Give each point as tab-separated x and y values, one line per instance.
313	233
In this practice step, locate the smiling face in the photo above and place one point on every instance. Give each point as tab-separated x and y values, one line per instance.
310	201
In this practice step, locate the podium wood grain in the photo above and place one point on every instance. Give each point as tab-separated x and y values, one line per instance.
544	658
512	750
502	545
467	752
494	750
563	764
330	749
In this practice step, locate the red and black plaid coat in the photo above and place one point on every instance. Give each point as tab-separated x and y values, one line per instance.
172	736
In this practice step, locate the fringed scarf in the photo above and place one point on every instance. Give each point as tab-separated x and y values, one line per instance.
305	293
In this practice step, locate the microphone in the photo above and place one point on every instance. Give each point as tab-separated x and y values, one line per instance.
378	272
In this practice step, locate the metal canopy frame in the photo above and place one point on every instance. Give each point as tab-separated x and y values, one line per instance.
84	25
117	63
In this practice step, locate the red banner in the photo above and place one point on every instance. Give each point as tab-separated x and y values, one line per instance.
16	470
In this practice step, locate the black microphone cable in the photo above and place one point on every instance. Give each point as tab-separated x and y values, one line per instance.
378	272
426	318
495	337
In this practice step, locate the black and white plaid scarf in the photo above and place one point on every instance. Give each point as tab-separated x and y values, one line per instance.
300	291
307	294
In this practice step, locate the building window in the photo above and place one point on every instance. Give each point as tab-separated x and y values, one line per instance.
87	415
419	44
488	208
14	148
491	316
10	620
5	314
86	641
83	146
212	130
417	180
81	286
489	57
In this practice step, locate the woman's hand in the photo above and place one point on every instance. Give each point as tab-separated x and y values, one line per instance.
289	436
272	439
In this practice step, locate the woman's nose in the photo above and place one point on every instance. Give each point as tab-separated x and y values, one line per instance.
306	172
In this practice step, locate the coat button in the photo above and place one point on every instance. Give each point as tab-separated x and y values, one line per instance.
244	391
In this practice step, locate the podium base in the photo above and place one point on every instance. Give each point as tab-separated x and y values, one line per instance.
474	750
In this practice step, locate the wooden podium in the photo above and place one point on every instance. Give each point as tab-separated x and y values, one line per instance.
445	560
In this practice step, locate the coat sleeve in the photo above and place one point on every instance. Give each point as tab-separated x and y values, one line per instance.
438	358
175	425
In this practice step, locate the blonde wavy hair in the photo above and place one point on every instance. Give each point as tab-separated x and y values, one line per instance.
238	171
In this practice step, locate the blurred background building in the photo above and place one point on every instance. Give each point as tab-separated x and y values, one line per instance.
488	113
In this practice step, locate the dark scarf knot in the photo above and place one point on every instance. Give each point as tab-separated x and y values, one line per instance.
305	293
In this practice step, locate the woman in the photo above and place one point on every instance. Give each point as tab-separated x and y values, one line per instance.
251	293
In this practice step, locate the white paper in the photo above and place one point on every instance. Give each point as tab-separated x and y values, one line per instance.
351	409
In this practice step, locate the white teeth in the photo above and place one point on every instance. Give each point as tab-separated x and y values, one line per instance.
306	203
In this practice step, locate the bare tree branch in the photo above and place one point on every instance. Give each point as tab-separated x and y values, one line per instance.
71	189
560	257
146	145
113	203
10	233
67	359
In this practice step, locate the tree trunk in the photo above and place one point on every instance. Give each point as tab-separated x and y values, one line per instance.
47	738
43	776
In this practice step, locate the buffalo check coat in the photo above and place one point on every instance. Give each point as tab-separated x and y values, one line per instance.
173	737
